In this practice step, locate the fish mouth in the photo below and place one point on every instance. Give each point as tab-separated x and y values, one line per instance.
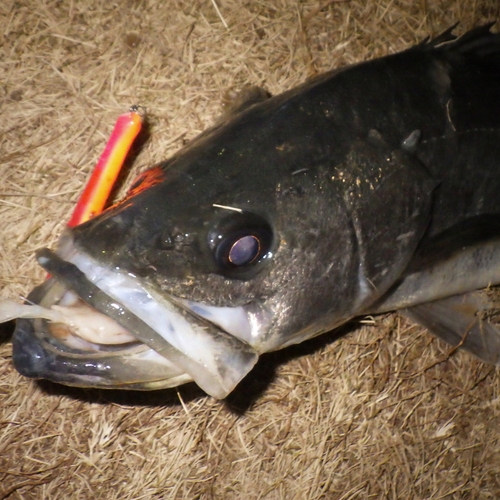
151	341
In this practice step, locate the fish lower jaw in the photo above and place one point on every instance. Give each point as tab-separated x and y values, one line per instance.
52	350
166	342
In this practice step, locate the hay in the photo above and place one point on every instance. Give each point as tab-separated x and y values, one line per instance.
382	412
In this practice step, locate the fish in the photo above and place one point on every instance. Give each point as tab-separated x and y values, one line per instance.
368	189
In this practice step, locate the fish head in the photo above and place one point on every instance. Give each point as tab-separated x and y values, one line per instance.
245	242
225	236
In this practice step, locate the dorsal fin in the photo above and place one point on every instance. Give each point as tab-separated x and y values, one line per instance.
479	40
444	37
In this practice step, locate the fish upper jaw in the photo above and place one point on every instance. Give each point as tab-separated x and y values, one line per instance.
214	346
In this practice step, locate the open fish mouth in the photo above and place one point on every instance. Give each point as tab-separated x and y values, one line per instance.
142	341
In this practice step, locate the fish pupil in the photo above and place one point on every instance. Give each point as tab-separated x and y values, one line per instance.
244	250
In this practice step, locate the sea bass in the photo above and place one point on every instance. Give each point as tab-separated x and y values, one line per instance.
371	188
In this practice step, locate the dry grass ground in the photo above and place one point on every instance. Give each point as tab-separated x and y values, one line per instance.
382	412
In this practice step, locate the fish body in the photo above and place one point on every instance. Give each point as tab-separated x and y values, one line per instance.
370	188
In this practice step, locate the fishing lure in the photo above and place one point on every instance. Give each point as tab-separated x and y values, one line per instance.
96	193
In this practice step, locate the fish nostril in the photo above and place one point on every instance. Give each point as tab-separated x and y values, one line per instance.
166	241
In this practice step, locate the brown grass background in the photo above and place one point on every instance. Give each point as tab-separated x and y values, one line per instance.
382	412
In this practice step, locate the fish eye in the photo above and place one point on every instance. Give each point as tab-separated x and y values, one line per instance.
240	241
244	250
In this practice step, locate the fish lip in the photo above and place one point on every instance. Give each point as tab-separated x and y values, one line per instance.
32	357
38	354
200	350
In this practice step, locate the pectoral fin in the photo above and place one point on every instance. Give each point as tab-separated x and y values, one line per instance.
467	321
464	258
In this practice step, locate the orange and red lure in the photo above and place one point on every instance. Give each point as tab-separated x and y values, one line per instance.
96	193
